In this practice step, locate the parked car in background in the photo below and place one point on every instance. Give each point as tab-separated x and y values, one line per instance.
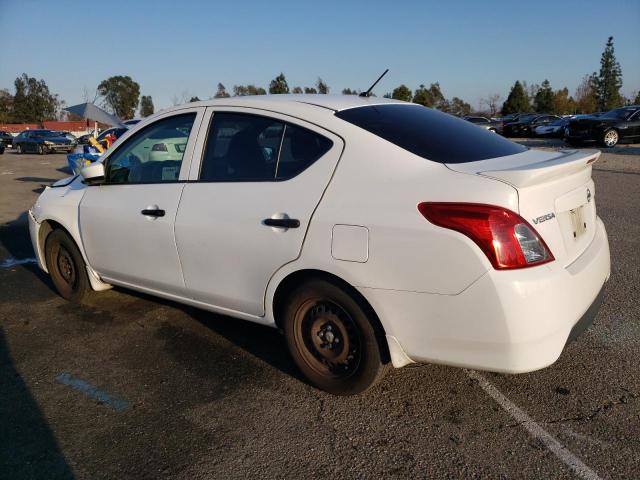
43	141
482	253
525	125
606	129
6	138
484	122
2	147
131	122
553	129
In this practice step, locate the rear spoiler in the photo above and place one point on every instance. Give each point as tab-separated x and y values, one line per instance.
567	162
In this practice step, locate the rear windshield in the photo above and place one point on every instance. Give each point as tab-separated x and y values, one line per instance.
430	134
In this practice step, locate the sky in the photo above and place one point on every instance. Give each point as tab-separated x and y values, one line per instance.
183	48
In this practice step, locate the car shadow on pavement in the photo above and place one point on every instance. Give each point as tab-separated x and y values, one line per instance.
28	447
262	342
15	242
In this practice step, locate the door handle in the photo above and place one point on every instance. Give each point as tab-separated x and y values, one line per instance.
281	222
153	212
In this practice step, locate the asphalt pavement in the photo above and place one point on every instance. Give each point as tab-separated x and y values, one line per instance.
131	386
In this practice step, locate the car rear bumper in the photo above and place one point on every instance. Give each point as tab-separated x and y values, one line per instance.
507	321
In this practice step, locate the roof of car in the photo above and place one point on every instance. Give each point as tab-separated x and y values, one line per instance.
330	102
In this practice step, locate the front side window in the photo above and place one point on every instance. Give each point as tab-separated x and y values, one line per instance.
251	148
430	134
153	155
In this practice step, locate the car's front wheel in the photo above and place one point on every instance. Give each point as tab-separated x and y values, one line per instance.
41	150
19	149
610	138
66	266
331	339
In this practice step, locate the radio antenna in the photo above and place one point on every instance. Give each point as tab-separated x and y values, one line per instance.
368	92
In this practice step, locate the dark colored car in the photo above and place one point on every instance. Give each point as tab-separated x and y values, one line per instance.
6	138
484	122
607	129
43	141
525	125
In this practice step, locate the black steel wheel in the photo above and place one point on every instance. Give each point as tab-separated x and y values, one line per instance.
331	339
66	266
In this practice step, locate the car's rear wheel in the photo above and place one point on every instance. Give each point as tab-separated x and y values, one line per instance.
610	138
66	266
41	150
331	339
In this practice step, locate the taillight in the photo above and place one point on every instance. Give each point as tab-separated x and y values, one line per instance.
505	237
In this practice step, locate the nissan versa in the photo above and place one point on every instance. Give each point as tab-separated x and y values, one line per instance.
371	231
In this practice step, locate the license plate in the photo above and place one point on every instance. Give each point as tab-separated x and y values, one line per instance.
577	221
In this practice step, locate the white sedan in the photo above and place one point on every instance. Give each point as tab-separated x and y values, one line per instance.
370	231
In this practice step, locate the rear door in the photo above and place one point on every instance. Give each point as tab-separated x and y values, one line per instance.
249	202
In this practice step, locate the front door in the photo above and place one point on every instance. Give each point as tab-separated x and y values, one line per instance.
246	210
127	222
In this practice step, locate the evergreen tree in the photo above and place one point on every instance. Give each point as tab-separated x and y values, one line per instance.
543	100
402	93
517	101
609	81
279	85
348	91
221	92
636	101
296	90
431	97
194	99
33	102
146	106
323	88
456	106
310	90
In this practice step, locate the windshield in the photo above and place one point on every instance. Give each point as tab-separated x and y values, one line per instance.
46	133
429	133
619	113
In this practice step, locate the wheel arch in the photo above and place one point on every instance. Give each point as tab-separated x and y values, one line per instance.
295	278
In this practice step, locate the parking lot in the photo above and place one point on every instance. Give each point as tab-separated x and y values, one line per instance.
130	386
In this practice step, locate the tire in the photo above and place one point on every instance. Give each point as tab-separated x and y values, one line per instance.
41	150
610	138
66	266
1	150
331	340
19	149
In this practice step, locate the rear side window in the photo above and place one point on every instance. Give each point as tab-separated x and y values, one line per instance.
252	148
300	148
430	134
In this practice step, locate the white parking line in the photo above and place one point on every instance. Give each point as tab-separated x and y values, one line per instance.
549	441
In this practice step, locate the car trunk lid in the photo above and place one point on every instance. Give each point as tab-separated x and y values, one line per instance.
556	194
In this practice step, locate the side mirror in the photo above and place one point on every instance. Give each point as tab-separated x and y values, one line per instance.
94	173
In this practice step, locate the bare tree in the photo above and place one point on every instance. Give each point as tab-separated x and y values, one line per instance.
492	102
179	100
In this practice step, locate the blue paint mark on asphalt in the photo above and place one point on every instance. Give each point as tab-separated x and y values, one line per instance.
90	391
12	262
